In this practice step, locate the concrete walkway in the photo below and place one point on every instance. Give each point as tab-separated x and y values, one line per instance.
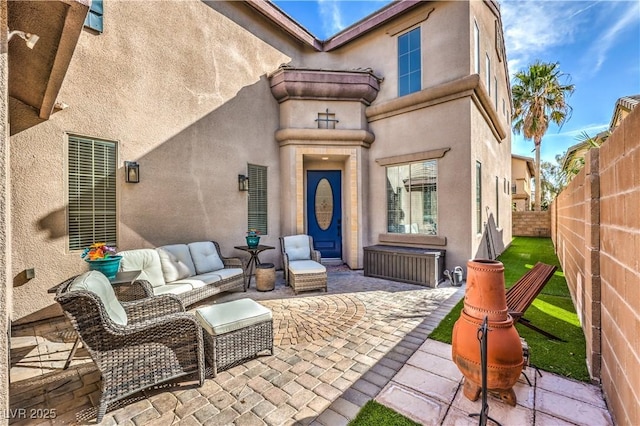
365	338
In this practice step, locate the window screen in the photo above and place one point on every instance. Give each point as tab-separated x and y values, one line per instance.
92	192
257	204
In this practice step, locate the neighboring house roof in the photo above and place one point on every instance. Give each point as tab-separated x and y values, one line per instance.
623	106
580	149
530	162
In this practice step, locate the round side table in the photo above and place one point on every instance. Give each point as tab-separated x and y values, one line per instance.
265	277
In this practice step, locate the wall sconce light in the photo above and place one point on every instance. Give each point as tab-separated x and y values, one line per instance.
243	183
132	171
30	39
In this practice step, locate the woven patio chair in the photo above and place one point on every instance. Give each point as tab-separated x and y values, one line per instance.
302	268
136	344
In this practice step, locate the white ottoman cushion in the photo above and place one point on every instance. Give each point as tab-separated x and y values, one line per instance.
231	316
306	267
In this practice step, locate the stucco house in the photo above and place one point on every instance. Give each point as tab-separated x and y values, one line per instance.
522	171
394	131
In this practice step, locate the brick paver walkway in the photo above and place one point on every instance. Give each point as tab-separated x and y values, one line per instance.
333	352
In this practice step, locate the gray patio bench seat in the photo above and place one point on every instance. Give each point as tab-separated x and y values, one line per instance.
235	332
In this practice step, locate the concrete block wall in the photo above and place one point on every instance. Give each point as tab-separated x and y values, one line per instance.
595	226
531	224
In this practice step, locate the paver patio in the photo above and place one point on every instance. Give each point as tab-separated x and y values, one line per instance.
333	352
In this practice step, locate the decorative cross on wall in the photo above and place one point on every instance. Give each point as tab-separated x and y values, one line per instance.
327	120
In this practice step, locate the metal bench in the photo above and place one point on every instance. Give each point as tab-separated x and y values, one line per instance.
525	290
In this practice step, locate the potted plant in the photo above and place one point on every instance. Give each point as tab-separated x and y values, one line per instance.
253	238
102	257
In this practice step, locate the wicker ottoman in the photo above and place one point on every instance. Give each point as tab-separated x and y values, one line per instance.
265	277
234	332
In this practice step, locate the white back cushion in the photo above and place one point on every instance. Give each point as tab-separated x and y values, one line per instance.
297	247
205	257
145	260
97	283
176	262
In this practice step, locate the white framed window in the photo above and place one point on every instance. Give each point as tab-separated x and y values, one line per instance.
91	175
478	197
487	72
412	198
495	92
476	44
257	202
409	62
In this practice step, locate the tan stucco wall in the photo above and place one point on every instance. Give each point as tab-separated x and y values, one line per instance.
5	218
195	106
192	106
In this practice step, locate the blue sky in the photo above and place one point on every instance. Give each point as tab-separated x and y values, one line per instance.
596	42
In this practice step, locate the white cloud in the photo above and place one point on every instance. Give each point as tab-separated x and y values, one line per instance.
331	16
533	27
624	19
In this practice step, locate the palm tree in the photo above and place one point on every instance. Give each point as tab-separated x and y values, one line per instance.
538	99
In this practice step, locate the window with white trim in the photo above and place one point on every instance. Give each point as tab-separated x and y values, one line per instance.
409	63
487	73
476	43
412	198
257	202
91	211
478	197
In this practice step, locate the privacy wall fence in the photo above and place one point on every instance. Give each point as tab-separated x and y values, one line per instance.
595	226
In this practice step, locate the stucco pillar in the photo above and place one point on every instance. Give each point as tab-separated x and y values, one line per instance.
5	218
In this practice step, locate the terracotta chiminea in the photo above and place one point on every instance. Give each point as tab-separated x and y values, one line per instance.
485	296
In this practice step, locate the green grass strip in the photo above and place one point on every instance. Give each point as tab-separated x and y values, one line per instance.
375	414
552	311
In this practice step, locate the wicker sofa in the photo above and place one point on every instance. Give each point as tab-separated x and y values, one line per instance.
302	268
136	344
192	272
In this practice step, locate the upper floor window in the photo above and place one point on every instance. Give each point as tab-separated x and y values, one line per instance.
409	62
257	203
91	212
94	17
478	197
495	92
412	198
487	73
476	43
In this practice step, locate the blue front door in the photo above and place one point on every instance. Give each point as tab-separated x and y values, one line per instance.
324	211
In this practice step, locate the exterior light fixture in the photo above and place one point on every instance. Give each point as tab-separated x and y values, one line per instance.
30	39
243	183
132	171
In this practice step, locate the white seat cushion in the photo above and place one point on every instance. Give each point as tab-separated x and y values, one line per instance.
306	267
183	255
228	273
173	268
232	316
205	257
172	289
297	247
208	278
145	260
97	283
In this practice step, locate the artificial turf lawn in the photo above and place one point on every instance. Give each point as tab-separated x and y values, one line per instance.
375	414
552	311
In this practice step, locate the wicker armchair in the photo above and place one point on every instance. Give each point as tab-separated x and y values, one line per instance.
301	263
136	344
